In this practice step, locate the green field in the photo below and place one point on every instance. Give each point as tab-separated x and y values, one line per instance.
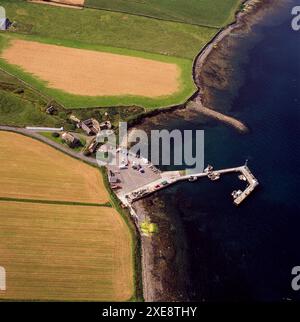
21	106
200	12
112	29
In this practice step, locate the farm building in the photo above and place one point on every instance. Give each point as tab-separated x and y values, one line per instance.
93	146
105	125
70	139
90	126
51	110
74	119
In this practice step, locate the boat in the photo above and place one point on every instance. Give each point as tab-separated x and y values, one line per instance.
236	193
209	168
242	177
214	176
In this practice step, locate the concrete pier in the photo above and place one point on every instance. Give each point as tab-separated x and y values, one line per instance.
171	177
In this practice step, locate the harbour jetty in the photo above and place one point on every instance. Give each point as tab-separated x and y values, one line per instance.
129	191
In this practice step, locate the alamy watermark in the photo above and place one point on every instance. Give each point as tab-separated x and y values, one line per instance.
296	19
296	280
184	148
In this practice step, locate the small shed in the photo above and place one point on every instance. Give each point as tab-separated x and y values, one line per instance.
105	125
51	110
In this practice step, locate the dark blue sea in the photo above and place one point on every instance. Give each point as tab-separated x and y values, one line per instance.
247	253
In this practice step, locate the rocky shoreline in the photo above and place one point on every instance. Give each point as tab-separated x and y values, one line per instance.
165	268
219	71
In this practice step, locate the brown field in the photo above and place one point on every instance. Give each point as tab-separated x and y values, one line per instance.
58	252
74	2
32	170
62	3
93	73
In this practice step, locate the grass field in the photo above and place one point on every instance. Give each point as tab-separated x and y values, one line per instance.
19	105
200	12
59	252
32	170
109	29
15	110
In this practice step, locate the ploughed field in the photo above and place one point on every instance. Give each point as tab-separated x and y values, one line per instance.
50	249
93	73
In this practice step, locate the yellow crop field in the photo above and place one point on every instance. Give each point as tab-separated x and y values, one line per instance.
93	73
60	252
33	170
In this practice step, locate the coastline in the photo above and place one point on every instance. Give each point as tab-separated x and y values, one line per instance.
200	101
213	70
153	283
164	272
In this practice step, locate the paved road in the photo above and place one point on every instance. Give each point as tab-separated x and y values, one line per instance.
58	146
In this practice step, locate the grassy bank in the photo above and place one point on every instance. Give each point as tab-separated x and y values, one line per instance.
22	106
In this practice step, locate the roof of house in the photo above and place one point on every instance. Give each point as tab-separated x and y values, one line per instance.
69	137
91	124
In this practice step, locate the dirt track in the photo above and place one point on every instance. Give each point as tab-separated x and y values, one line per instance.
92	73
